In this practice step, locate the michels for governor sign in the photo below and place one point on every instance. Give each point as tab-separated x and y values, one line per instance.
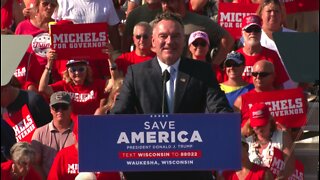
159	142
288	107
231	14
79	41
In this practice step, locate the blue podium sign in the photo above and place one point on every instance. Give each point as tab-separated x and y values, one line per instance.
170	142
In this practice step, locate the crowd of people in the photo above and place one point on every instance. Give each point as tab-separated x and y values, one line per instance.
171	57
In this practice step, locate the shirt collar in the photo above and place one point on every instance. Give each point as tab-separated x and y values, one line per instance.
53	129
164	66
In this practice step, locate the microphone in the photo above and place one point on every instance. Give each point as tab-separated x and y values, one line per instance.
165	79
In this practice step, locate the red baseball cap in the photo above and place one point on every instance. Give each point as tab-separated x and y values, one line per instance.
259	115
250	21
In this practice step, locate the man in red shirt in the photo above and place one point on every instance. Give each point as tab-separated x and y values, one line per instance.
253	51
142	42
263	73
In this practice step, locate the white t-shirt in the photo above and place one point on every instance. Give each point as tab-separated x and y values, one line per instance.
87	11
267	153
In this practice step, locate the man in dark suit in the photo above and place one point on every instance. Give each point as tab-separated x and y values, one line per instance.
190	87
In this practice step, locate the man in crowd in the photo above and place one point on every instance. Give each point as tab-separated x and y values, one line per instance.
24	111
146	13
263	75
54	136
253	51
142	40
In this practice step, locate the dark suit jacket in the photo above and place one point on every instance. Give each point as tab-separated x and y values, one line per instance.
197	91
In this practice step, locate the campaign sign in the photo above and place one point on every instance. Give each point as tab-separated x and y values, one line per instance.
231	14
79	41
174	142
277	164
288	107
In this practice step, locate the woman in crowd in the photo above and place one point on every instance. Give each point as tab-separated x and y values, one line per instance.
99	66
19	167
271	13
33	63
266	138
86	92
115	90
198	49
235	86
248	169
283	11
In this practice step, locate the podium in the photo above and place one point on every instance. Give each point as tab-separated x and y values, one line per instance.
165	142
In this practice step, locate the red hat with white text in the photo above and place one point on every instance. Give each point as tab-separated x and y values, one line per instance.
259	115
251	20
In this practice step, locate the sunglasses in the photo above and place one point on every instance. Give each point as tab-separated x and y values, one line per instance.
61	106
254	29
199	43
46	3
232	64
144	36
260	74
79	69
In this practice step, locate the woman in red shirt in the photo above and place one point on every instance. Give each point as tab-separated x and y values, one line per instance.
86	92
19	167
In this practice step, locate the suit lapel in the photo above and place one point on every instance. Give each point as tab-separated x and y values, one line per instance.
181	83
156	77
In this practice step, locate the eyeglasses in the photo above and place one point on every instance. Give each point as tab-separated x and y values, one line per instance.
254	29
199	43
46	3
260	74
61	106
79	69
232	64
144	36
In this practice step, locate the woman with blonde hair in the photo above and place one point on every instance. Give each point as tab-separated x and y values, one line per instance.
19	167
271	13
33	63
114	92
86	92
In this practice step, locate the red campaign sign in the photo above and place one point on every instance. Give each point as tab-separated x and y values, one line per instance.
288	107
79	41
277	164
231	14
159	154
